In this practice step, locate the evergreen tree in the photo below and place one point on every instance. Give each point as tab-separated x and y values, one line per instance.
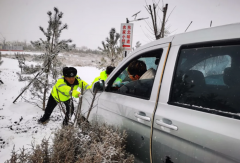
112	52
21	60
52	46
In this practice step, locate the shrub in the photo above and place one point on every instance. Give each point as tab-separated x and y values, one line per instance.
96	143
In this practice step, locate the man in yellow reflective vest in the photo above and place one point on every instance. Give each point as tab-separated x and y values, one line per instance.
62	92
104	75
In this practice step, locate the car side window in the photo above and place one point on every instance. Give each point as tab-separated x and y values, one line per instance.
212	69
136	77
208	79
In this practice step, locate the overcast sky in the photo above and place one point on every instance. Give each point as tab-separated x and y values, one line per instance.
90	21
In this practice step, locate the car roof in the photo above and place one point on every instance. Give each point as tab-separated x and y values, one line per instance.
230	31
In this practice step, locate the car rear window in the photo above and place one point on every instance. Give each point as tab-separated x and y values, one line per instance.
207	78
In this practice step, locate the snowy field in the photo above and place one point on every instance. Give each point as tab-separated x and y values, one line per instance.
18	122
67	58
21	52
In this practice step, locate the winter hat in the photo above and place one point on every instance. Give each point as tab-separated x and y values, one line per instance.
69	72
109	69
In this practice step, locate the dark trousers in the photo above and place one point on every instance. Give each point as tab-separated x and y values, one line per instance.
52	103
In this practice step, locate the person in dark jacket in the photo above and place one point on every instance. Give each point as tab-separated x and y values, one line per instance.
136	69
62	92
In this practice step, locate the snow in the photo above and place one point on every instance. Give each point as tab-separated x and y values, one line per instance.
18	122
20	52
86	73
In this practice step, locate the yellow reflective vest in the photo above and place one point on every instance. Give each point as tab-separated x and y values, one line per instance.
63	91
103	76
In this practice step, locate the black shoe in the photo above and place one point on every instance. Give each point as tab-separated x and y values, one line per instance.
43	120
65	122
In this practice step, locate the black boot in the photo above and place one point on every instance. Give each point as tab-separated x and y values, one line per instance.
51	104
65	121
44	119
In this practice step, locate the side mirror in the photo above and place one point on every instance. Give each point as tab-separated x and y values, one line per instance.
99	86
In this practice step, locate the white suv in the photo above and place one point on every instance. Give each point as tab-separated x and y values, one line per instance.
189	111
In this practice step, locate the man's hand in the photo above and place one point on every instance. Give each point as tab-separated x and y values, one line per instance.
79	95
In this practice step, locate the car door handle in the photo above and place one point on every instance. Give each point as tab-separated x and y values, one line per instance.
145	118
162	123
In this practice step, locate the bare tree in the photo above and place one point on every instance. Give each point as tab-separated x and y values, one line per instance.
158	30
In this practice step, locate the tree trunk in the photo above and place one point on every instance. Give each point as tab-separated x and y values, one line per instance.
48	69
163	22
91	106
78	116
112	60
46	86
153	21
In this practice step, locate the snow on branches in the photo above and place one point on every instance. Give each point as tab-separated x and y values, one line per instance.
112	52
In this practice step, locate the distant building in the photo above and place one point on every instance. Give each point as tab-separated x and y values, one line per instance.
17	47
11	48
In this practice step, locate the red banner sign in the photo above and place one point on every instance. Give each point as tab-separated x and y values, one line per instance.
126	36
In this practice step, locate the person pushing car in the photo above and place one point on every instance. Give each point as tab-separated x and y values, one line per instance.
62	91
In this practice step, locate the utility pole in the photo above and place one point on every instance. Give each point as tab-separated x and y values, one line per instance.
135	16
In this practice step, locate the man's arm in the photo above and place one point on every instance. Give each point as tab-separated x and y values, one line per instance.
83	84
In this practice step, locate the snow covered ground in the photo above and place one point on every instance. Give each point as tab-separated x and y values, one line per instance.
18	122
67	58
21	52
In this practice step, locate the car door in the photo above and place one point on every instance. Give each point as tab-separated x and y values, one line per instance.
197	118
131	110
